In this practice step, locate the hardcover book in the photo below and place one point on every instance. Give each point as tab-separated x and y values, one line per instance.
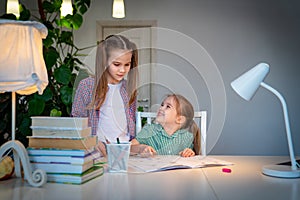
63	142
66	178
63	168
65	158
60	132
58	152
65	122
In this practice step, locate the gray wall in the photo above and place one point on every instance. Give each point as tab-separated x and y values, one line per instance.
237	34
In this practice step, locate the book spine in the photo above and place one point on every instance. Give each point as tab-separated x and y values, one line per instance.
63	168
65	159
37	131
58	152
63	143
66	122
67	178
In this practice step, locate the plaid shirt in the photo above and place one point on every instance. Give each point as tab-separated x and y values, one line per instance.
155	136
83	97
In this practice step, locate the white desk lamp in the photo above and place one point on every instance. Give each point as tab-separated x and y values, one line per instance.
246	86
23	71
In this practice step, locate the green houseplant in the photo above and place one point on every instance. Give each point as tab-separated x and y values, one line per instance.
61	57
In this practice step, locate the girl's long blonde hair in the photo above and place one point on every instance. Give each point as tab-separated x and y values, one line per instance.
185	108
104	49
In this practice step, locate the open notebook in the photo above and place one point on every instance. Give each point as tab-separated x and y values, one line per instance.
171	162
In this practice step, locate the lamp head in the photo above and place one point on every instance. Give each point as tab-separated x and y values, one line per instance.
66	8
248	83
13	7
118	10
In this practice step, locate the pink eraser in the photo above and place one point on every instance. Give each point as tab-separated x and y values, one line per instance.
226	170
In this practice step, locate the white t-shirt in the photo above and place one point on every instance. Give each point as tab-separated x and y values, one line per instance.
113	122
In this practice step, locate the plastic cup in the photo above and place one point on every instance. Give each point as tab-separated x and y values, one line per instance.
117	156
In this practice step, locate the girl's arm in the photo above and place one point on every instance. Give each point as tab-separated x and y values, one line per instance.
101	148
82	98
134	148
141	149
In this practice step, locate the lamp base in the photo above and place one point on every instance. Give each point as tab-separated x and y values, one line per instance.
35	178
281	171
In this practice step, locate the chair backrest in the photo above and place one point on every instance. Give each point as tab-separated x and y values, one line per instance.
201	115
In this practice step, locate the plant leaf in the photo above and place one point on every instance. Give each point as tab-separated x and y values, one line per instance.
66	95
24	125
50	56
48	7
46	96
77	21
52	7
24	13
82	5
8	16
66	37
64	22
62	74
36	107
49	40
55	113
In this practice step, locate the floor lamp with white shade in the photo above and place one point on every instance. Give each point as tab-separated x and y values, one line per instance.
22	71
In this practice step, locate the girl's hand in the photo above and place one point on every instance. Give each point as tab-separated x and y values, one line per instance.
187	152
101	148
146	151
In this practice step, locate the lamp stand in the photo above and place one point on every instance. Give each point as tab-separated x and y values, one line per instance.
281	170
36	178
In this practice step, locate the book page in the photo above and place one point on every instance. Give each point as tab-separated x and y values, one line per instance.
201	161
152	163
168	162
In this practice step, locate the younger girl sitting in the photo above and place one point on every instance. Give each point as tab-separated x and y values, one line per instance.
175	132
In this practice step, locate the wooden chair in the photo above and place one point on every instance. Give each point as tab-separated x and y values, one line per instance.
200	115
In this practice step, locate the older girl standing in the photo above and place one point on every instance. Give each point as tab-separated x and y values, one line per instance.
107	99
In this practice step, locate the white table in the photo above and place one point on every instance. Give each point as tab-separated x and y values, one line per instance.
244	182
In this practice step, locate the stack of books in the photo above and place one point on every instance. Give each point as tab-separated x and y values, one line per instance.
64	148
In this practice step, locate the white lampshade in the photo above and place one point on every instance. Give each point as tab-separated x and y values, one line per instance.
66	8
118	9
13	7
22	66
248	83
